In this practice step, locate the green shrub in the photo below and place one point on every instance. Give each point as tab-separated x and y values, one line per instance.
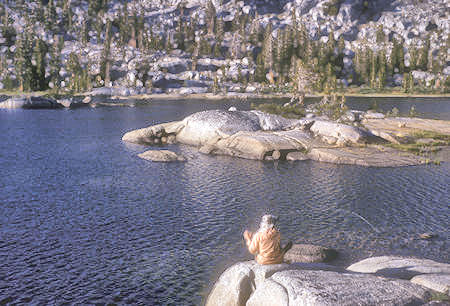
290	112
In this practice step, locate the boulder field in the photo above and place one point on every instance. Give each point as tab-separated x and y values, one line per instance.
261	136
248	283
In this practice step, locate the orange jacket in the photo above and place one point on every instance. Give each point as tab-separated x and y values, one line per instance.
266	246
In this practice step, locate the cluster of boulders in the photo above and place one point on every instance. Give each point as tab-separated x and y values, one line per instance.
261	136
385	280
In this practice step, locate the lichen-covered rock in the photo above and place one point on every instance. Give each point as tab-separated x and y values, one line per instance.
161	156
399	267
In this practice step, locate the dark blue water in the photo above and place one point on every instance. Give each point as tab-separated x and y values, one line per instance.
84	221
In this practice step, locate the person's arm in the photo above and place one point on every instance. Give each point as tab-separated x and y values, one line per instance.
253	244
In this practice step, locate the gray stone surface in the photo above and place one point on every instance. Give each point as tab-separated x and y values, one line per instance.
149	134
248	283
399	267
437	282
404	126
234	287
309	253
342	132
333	288
161	156
269	293
370	156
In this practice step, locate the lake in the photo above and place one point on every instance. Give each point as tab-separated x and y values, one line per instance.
83	220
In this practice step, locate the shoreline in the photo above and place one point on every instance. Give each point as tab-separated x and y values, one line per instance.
212	97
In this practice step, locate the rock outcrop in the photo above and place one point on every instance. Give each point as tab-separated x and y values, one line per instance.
30	103
260	136
248	283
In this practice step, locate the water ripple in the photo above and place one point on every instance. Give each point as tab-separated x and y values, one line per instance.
90	223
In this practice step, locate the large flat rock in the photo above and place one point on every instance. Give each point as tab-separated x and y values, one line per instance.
399	267
248	283
369	156
256	145
333	288
398	130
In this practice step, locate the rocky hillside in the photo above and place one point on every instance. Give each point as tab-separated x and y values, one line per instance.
143	46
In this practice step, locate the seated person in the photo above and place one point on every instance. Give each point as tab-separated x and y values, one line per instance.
265	243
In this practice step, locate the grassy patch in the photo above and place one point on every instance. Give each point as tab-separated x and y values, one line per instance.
433	135
290	112
437	296
437	140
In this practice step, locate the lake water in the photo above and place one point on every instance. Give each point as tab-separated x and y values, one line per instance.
83	220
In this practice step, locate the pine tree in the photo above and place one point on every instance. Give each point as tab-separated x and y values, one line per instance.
39	53
55	63
74	68
413	58
422	61
260	71
405	82
267	50
67	15
210	16
51	16
124	26
105	64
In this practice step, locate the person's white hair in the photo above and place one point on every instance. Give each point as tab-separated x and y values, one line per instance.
268	222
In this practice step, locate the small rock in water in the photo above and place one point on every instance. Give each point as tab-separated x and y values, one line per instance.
88	99
427	236
161	156
232	109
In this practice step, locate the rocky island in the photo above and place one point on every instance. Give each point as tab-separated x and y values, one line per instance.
366	139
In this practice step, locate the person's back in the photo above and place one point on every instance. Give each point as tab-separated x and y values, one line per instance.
265	243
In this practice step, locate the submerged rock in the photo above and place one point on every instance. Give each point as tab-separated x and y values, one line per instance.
161	156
